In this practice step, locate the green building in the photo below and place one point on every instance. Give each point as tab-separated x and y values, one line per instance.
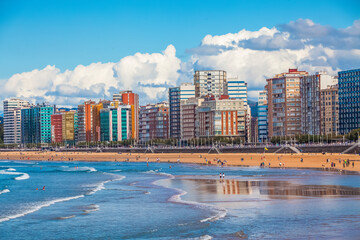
115	123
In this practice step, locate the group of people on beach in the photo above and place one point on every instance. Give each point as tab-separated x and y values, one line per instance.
218	161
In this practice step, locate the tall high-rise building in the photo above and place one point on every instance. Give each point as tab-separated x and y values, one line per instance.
132	99
174	108
188	110
10	118
85	121
262	116
56	128
329	118
237	89
284	103
30	125
45	122
310	91
36	123
176	96
254	130
116	123
154	121
349	100
96	118
210	83
17	125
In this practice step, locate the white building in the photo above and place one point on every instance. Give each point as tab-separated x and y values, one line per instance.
12	120
210	83
187	90
237	89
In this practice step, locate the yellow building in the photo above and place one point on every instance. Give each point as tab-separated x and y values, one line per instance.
68	129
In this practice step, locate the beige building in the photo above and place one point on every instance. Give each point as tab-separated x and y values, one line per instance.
210	83
329	110
188	117
222	117
284	103
311	110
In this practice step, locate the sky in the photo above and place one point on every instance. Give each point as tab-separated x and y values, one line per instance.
65	52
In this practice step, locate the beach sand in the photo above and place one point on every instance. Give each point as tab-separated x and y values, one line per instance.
310	160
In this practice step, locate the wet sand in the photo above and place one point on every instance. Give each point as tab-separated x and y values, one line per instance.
310	160
273	189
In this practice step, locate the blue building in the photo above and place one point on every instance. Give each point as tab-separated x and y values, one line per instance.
174	106
263	117
36	124
30	125
176	96
349	100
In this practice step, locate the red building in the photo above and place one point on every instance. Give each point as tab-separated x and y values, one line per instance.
56	128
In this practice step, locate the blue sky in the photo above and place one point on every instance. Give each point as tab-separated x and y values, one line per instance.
64	33
65	52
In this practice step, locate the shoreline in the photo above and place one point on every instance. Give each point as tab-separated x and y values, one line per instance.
310	160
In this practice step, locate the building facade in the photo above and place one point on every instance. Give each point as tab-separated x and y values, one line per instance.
132	99
174	108
116	123
237	89
85	122
36	124
329	118
154	121
349	100
262	117
222	116
57	128
10	119
30	125
176	96
188	110
311	109
210	83
284	103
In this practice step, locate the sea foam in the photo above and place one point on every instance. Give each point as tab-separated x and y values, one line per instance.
160	173
4	191
38	207
78	169
23	176
101	186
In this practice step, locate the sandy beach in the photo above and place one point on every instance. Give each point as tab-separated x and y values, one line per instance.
315	160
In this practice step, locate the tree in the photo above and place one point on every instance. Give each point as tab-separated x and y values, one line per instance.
353	135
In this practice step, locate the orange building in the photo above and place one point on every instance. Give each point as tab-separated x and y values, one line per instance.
85	121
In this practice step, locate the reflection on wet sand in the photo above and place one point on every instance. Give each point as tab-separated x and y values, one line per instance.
273	189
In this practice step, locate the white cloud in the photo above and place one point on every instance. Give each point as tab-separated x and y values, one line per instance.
303	44
147	74
251	55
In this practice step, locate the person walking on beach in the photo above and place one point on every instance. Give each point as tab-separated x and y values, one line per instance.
223	176
220	176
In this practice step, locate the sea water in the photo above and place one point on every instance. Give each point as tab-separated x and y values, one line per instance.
113	200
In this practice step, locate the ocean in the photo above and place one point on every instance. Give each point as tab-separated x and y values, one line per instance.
127	200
